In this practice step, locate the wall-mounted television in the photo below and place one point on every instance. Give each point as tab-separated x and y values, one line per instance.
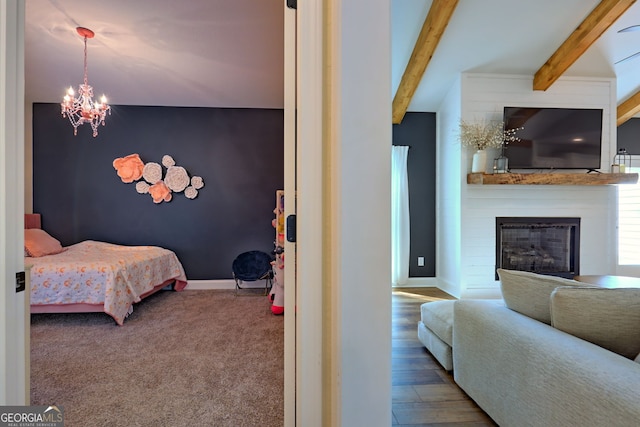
554	138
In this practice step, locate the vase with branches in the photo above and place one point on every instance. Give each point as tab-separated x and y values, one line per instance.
501	163
482	135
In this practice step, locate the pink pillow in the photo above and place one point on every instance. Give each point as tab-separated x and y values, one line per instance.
38	243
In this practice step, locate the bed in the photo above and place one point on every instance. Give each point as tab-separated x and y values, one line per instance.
93	276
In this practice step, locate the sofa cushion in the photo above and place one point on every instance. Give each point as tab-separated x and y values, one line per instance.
528	293
438	316
609	318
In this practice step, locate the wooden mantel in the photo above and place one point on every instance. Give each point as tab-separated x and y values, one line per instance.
552	178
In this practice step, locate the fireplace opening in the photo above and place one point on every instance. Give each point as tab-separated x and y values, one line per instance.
544	245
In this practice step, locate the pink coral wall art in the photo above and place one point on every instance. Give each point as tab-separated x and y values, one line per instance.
158	180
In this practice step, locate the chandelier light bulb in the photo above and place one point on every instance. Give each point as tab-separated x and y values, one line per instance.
82	109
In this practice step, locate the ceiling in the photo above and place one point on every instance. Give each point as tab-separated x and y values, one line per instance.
221	53
199	53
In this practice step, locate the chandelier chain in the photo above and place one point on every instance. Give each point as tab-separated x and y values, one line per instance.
86	79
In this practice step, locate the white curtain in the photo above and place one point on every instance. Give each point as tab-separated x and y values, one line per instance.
400	237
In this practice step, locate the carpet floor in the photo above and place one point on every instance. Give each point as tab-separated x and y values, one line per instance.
190	358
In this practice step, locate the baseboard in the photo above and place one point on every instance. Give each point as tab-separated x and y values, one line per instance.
448	287
222	284
207	285
419	282
198	285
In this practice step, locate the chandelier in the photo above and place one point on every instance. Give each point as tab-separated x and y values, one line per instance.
81	108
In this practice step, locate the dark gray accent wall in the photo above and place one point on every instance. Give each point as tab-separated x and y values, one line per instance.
629	136
238	153
418	130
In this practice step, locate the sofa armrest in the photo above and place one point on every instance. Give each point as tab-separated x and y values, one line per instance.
524	372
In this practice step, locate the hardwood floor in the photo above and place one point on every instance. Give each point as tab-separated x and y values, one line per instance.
424	394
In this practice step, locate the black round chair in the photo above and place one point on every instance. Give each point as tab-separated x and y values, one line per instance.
252	266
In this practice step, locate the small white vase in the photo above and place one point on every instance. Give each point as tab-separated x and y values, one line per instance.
479	164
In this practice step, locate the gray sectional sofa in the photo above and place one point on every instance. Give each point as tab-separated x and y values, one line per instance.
524	371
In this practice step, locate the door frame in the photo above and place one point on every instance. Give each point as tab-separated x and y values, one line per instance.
343	176
290	76
14	320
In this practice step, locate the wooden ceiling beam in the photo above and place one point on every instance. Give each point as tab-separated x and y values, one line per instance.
432	30
593	26
628	109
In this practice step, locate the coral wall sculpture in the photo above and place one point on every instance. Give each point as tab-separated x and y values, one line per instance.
176	179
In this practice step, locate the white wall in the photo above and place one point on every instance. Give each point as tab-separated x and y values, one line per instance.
449	168
483	97
361	166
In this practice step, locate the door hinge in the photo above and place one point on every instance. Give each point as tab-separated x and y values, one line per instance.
292	4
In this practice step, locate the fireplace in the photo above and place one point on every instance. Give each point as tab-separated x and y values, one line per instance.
543	245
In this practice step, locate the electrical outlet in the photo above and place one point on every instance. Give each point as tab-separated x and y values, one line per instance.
420	261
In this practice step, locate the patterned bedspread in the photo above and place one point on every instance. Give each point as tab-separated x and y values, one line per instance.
93	272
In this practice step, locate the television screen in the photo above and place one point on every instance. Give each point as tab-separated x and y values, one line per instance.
554	138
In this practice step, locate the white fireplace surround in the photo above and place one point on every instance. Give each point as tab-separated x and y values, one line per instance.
466	213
